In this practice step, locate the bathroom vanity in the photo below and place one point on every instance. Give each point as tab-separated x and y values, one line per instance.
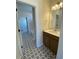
52	34
51	39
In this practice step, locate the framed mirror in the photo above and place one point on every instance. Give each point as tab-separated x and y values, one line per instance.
57	18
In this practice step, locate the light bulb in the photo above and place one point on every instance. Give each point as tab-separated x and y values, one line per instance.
53	8
61	4
57	6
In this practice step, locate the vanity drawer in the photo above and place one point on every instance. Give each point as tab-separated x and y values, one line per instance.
50	36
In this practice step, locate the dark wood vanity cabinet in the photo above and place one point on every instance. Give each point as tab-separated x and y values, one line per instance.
51	42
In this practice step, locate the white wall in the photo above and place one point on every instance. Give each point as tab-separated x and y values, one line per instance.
60	46
42	17
44	14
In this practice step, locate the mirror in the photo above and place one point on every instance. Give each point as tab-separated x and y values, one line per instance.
57	18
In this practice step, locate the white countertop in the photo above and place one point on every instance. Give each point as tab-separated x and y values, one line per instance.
56	33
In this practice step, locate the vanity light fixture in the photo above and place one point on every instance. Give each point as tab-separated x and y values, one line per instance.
57	6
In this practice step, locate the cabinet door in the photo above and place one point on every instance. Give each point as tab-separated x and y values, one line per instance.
46	42
54	45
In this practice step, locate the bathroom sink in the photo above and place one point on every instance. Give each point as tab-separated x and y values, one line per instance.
53	32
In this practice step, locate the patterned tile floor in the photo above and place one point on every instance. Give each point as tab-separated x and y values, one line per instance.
36	53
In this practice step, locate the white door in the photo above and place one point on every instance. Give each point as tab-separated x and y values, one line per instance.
19	43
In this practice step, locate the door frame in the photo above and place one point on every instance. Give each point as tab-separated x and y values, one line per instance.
34	18
19	40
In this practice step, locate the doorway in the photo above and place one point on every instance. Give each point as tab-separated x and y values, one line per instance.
26	23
